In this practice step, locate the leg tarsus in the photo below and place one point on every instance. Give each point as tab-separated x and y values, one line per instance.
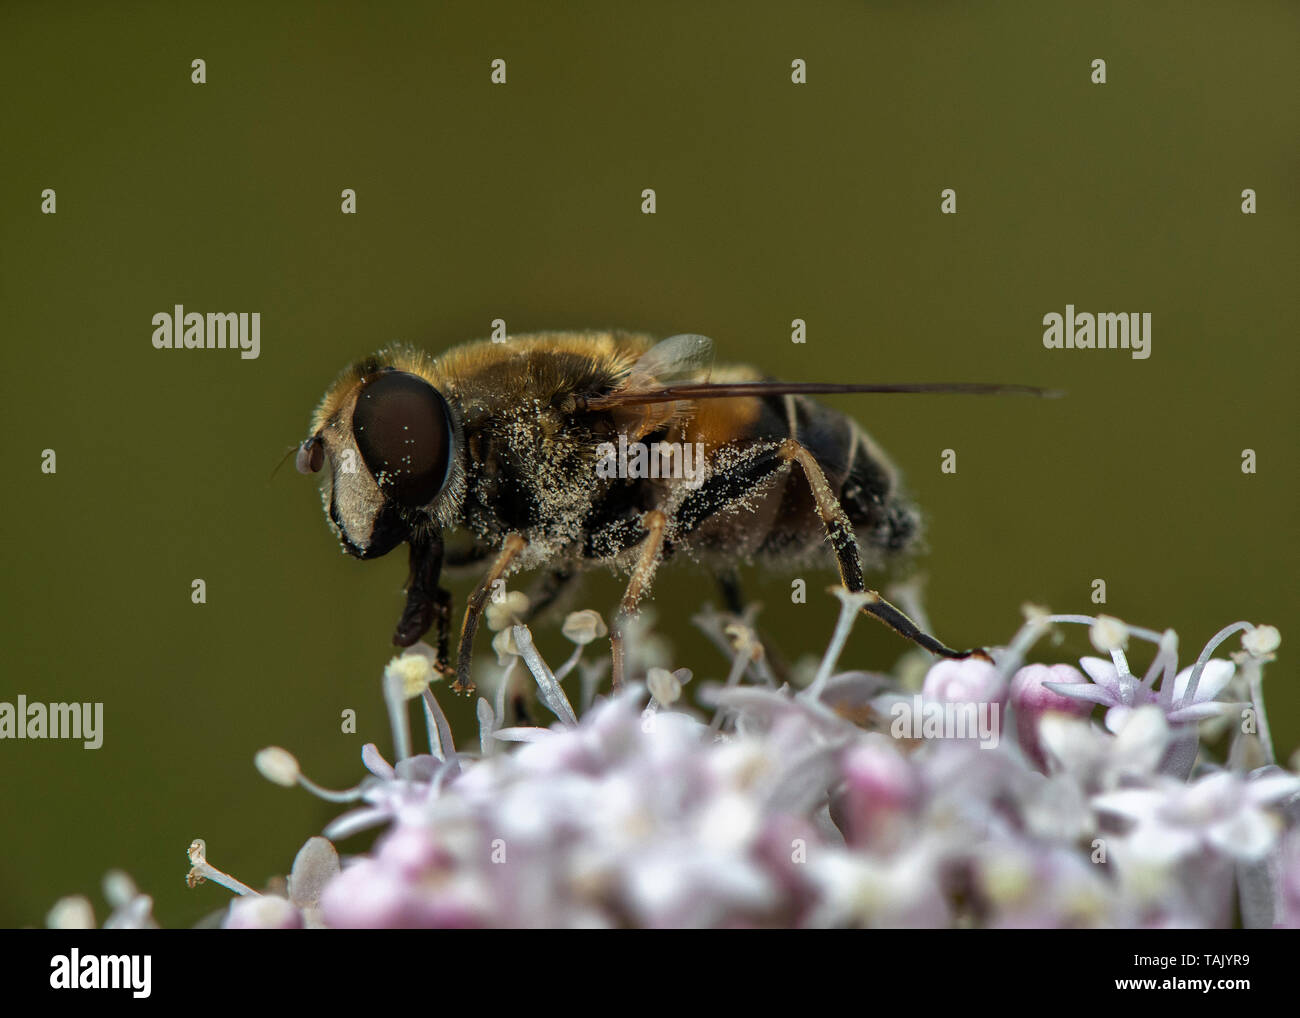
442	618
881	610
839	531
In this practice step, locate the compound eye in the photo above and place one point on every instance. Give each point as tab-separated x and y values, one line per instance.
403	431
311	456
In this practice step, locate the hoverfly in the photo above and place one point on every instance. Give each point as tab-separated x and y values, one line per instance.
509	441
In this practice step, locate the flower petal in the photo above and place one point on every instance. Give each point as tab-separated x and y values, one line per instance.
1076	691
1135	803
375	763
1214	677
1201	711
1143	737
1248	834
356	820
1102	672
1272	787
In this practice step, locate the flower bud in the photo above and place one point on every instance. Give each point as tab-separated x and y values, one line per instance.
1031	699
968	681
262	912
278	766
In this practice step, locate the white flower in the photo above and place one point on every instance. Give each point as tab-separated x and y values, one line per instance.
795	809
1121	692
1100	759
1221	812
900	890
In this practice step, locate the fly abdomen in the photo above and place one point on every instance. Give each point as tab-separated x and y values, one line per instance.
871	496
862	477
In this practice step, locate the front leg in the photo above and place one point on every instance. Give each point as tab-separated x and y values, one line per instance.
514	544
426	601
442	616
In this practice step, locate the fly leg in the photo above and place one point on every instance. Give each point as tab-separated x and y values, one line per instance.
729	587
839	532
655	523
427	603
514	544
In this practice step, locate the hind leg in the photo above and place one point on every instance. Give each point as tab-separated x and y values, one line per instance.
839	532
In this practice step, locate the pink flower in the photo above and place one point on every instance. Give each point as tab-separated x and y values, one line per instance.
1031	699
881	790
968	681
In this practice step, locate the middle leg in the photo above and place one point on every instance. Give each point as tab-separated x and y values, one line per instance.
656	524
514	544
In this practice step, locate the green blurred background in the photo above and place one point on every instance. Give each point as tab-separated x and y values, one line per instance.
522	202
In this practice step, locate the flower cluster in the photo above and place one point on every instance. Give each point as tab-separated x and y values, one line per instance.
980	793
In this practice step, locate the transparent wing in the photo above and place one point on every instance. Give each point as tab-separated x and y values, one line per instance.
669	377
685	358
